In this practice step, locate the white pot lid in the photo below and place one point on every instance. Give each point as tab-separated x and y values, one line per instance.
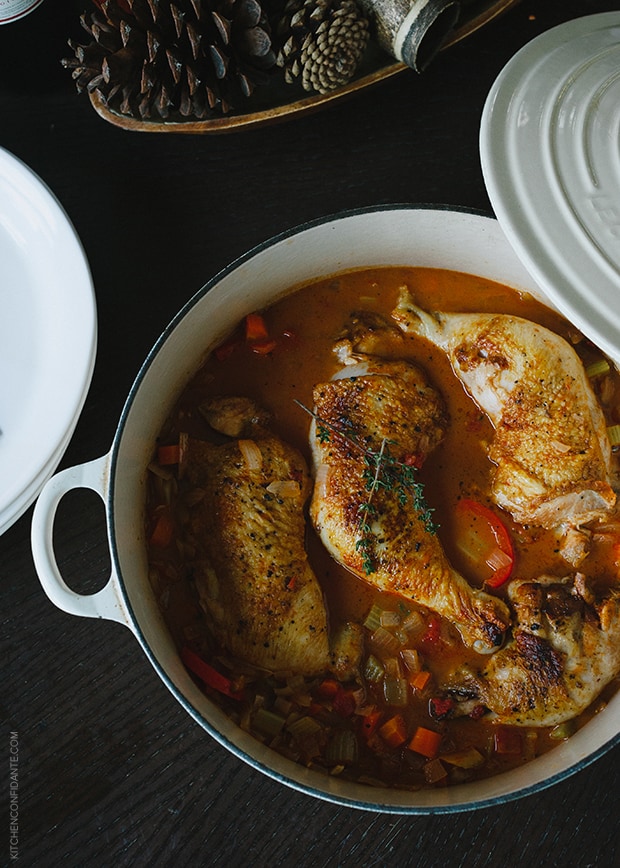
550	152
48	335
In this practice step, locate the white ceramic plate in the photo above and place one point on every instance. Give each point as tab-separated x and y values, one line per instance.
550	150
48	335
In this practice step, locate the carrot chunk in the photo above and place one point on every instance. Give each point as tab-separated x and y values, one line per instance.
426	742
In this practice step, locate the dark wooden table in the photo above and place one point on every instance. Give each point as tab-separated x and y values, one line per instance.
112	771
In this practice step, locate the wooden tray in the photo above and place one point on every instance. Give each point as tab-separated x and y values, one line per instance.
274	102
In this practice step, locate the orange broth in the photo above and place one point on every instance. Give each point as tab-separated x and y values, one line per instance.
305	326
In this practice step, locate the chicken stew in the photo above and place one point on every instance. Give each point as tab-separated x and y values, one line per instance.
382	528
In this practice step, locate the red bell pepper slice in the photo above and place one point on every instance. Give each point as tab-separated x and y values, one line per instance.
208	675
485	539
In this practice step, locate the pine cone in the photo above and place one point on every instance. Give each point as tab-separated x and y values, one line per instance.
155	57
322	41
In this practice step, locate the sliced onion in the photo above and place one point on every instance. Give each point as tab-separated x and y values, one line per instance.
251	453
411	659
559	446
389	618
284	488
498	560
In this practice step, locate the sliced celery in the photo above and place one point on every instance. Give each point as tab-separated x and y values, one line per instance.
268	722
373	671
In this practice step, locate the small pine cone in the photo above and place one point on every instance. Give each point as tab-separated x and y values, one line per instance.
156	57
321	41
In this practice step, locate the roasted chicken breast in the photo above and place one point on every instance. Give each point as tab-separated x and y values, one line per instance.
261	599
373	423
565	648
550	448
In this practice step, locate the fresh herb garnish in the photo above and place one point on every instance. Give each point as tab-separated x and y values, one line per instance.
381	470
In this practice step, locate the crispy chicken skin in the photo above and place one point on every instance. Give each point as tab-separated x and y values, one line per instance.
550	448
564	650
261	599
375	402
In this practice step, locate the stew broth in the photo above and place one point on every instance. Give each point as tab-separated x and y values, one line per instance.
302	329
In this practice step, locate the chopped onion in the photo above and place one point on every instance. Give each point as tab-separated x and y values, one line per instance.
157	470
284	488
559	446
389	618
384	641
498	560
251	453
411	659
414	624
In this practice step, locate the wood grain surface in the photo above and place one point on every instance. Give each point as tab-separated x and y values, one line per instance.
112	771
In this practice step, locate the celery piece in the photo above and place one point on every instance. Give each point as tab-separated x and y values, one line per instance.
373	671
563	730
342	748
468	758
395	691
268	722
373	618
597	368
303	727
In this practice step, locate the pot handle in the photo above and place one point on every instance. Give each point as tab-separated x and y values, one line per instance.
106	603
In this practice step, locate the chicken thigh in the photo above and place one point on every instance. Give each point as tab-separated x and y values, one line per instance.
260	597
373	423
550	448
565	649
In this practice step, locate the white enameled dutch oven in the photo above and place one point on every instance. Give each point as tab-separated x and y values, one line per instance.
398	235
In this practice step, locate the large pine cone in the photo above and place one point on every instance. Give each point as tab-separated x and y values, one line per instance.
321	41
153	57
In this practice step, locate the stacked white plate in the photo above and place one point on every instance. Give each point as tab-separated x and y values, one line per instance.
48	335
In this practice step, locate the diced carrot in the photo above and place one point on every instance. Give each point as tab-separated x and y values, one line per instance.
163	531
344	702
168	454
328	688
263	348
255	328
394	731
426	742
227	348
370	722
419	680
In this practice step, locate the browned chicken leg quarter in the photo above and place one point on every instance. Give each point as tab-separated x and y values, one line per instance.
565	649
371	406
550	447
261	599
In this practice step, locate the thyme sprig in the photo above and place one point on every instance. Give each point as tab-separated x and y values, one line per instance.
382	471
